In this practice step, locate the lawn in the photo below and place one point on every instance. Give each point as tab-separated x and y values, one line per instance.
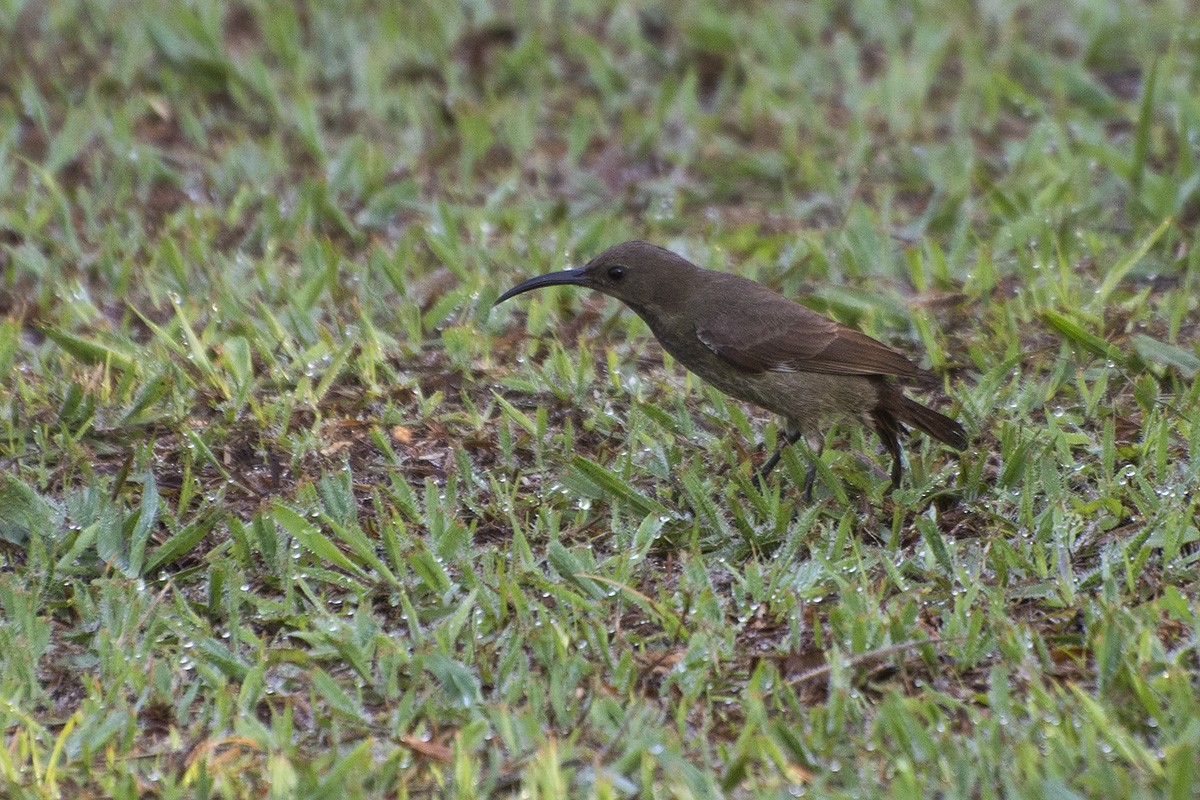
287	509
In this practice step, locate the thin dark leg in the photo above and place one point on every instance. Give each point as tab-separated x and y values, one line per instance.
890	430
810	476
770	463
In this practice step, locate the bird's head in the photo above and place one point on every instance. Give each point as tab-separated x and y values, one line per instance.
639	274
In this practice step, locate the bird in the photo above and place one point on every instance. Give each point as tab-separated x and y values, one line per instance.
758	346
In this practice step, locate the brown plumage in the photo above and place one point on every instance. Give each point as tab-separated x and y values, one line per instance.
756	345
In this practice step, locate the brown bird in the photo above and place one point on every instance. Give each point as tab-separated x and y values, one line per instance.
756	345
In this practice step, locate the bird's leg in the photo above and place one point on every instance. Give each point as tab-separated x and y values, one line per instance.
813	445
810	478
813	451
791	438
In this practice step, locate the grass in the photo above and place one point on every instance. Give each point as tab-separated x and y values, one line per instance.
287	510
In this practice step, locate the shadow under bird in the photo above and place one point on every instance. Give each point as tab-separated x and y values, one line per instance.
756	345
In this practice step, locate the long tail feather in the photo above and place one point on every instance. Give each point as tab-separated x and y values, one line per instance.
926	420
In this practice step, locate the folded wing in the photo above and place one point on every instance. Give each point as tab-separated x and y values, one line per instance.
780	337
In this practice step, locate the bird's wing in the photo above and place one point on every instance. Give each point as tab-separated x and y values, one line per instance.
770	336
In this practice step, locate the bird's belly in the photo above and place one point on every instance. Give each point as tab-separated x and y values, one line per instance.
806	399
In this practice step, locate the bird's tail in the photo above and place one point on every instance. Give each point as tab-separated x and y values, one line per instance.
926	420
895	411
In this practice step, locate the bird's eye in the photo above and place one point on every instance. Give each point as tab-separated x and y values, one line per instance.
616	273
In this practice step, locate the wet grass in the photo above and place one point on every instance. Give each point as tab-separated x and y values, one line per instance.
287	510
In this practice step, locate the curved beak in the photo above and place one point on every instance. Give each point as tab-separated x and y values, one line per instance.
568	277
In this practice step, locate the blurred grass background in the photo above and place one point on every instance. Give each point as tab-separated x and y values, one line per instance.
287	511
